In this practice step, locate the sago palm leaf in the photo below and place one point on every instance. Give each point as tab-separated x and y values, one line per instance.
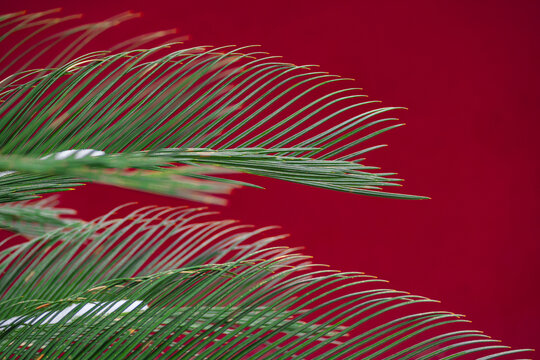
174	283
165	282
152	108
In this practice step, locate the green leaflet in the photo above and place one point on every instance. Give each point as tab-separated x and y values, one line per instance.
34	218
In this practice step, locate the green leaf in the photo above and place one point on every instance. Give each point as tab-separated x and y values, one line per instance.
228	107
176	282
168	282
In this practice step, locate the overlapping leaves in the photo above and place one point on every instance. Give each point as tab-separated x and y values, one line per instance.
163	282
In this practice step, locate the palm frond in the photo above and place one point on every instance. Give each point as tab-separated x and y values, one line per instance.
165	282
176	282
231	107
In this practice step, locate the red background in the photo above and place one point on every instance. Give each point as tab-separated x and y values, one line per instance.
467	71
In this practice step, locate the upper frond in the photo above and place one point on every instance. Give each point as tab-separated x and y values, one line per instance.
206	103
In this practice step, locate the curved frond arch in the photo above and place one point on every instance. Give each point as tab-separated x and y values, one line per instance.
177	283
235	108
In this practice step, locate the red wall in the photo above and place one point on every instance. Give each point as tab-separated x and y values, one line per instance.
468	72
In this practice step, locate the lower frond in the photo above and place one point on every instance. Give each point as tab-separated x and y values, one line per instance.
174	283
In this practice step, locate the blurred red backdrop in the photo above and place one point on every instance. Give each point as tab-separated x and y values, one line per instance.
467	71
